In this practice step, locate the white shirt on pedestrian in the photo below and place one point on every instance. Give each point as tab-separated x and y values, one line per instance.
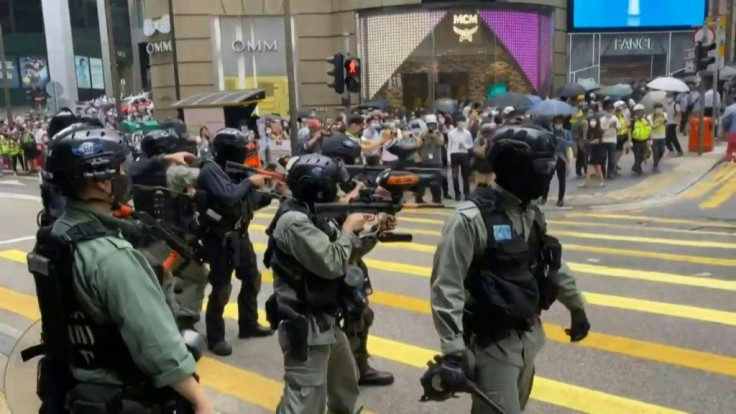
38	135
610	126
672	109
459	141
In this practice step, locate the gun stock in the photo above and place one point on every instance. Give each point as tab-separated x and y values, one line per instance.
156	230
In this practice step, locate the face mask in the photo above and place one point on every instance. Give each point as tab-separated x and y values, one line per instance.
558	127
593	123
373	126
658	111
461	125
120	190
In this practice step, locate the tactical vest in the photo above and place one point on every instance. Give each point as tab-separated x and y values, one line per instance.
316	295
218	218
151	195
70	335
514	279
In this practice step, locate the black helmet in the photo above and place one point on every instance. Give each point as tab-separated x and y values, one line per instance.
341	147
61	120
177	125
83	155
162	141
229	144
315	177
523	158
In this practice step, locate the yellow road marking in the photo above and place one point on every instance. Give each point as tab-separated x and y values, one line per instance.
554	223
649	186
704	187
226	379
661	277
724	193
674	257
651	240
549	391
265	392
612	216
672	355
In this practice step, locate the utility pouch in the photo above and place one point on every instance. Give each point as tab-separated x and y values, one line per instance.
297	333
96	399
53	382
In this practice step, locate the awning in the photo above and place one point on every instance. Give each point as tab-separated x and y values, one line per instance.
222	98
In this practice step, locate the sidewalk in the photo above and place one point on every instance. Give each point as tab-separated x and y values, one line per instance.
675	176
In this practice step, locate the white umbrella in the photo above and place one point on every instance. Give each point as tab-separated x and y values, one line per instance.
588	84
668	84
653	97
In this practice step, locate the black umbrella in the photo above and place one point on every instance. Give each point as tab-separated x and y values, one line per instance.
375	104
446	105
517	100
571	90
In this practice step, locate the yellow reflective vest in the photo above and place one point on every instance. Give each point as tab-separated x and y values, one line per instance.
624	125
641	130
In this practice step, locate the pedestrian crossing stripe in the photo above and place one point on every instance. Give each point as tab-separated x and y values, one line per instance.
706	185
265	392
723	194
627	346
650	186
667	354
652	276
662	220
549	391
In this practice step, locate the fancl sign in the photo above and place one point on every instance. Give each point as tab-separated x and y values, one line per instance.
255	46
159	47
633	43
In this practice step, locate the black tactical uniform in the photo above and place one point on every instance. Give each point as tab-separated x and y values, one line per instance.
225	210
160	190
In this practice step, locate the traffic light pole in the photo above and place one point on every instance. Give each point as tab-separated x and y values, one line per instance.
6	82
701	124
291	78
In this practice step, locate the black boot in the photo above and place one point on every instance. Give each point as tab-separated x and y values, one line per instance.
256	331
221	348
372	377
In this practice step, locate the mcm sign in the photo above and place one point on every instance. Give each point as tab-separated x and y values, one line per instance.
466	33
162	25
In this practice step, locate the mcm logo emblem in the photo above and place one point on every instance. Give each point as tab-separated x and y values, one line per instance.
465	33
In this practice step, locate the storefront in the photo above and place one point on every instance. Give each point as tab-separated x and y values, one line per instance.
634	40
454	53
412	51
610	58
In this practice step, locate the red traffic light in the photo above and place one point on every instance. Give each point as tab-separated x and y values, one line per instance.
352	67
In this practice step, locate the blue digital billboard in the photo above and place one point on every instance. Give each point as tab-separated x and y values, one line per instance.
636	14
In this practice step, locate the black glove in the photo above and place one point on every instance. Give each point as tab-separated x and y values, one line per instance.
579	325
446	376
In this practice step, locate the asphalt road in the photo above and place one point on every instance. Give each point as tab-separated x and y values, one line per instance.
659	284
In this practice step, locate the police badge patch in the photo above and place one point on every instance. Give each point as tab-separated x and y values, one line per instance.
502	232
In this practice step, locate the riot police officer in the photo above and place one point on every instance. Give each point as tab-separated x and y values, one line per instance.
164	189
356	327
110	341
495	247
225	210
310	257
53	203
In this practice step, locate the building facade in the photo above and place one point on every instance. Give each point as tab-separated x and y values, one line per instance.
635	40
412	51
65	42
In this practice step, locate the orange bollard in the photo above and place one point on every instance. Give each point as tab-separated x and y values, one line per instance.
692	144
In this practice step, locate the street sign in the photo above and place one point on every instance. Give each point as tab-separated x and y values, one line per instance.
705	35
